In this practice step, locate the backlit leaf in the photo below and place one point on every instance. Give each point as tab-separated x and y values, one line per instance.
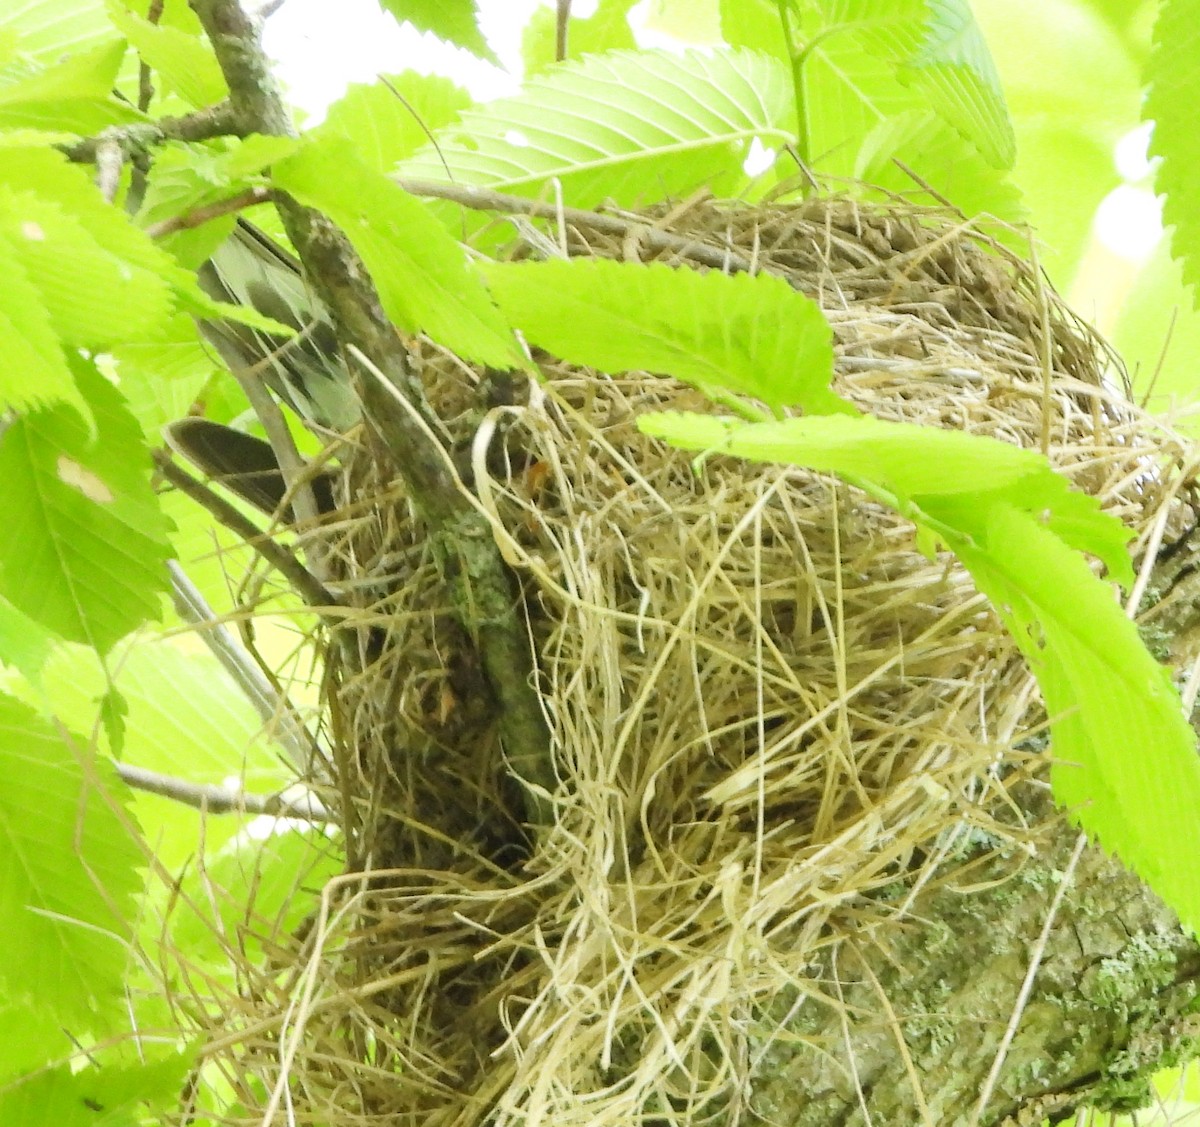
67	875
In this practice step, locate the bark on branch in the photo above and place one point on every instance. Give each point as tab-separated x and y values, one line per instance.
485	592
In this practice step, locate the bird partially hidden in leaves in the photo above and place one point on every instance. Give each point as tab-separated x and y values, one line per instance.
304	370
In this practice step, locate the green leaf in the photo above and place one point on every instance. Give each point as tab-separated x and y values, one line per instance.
748	334
30	1035
452	20
68	871
49	30
258	891
73	95
79	280
1125	760
393	118
864	63
951	476
631	126
112	1096
949	62
34	369
938	153
185	719
86	540
422	274
184	179
182	61
114	708
48	174
1174	94
754	24
606	29
162	378
24	644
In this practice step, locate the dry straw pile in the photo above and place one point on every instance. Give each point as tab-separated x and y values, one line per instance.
774	721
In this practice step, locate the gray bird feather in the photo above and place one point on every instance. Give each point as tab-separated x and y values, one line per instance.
306	371
251	269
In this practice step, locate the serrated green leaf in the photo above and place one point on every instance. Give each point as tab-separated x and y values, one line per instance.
865	63
748	334
49	30
185	179
49	175
627	126
455	21
79	281
393	118
30	1035
68	871
1174	93
74	94
422	274
161	379
949	62
114	708
1125	760
86	542
182	61
950	476
35	370
606	29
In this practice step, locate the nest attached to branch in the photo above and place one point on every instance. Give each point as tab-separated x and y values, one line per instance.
775	721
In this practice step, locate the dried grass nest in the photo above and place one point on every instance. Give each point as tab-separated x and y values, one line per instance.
774	720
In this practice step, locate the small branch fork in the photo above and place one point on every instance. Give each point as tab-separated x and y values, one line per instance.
131	142
484	590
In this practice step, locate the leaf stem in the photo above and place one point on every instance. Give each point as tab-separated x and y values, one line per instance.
796	57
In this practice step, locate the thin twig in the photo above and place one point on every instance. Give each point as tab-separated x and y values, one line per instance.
307	585
484	199
223	800
201	215
561	25
274	710
145	86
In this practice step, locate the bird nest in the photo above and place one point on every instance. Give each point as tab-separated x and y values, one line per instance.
774	721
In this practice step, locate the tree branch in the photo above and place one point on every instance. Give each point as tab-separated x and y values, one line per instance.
485	593
310	589
199	216
222	800
485	199
273	709
141	137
